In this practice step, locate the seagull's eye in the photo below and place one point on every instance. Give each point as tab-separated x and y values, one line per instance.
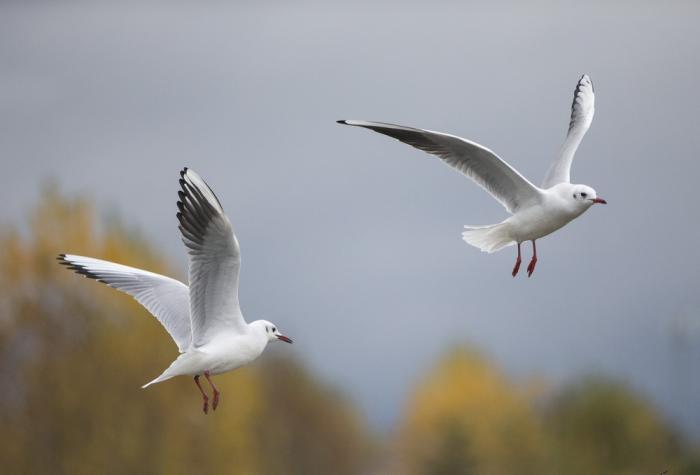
584	194
274	329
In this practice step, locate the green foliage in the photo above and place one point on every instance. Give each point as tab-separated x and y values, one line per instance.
599	426
74	353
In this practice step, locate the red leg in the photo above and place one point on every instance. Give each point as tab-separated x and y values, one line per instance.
205	408
533	262
516	268
215	402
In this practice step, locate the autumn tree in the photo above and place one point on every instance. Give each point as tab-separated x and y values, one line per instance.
465	418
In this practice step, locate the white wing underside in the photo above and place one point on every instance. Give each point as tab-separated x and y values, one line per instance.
167	299
582	110
480	164
215	260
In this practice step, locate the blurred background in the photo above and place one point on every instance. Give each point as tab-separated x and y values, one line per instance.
414	353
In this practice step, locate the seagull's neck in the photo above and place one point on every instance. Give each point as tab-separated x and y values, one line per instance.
256	330
560	189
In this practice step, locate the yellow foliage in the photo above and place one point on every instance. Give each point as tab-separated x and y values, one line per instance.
466	418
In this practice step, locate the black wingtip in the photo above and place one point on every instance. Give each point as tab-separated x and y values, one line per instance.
585	75
61	258
341	121
78	269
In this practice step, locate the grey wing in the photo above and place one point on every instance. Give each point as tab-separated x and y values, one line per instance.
167	299
480	164
582	110
215	260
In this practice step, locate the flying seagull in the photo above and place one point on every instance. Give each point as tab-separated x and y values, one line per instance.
536	211
204	319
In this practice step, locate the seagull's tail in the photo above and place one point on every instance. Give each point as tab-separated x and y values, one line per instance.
170	372
159	379
185	364
488	238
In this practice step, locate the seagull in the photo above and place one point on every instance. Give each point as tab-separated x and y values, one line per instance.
535	211
204	319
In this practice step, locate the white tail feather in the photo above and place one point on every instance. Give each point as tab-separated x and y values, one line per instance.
170	372
185	364
488	238
159	379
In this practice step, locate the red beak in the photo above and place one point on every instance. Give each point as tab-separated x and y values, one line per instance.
285	339
600	201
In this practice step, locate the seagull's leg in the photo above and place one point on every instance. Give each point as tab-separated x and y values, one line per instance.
205	408
215	402
516	268
533	262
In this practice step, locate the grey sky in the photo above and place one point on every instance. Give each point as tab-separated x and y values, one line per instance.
351	241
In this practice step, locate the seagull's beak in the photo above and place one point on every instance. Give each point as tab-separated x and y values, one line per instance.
599	201
285	339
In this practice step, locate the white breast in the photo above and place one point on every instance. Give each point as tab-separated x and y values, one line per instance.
228	353
542	219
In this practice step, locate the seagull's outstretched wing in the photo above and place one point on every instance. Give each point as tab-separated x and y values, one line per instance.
480	164
167	299
582	110
215	260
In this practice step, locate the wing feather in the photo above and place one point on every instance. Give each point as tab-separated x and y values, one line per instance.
479	163
582	110
167	299
214	260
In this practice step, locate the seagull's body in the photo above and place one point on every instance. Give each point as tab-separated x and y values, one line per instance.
536	211
204	319
223	353
552	211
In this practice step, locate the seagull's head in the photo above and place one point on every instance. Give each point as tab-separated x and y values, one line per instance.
270	330
585	196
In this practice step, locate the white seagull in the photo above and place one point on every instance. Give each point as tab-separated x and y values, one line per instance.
536	211
204	319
